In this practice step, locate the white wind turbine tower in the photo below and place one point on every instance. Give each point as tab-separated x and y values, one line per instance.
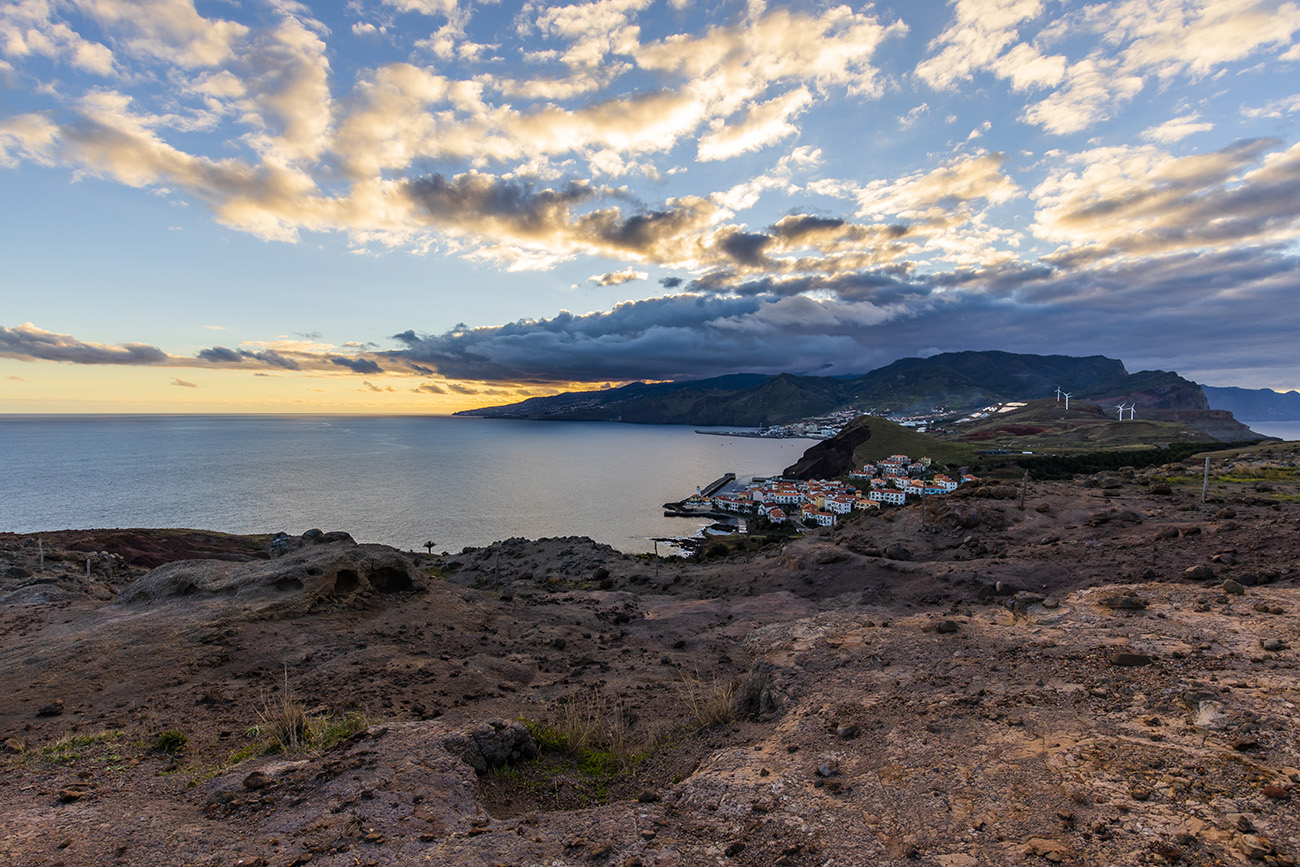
1058	394
1066	395
1131	411
1121	407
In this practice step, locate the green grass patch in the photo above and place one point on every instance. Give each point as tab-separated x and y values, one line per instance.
71	749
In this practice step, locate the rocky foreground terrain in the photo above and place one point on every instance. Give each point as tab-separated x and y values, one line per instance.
1103	674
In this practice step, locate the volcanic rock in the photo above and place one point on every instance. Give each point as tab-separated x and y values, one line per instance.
298	579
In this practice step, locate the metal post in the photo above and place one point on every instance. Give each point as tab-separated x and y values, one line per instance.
1205	486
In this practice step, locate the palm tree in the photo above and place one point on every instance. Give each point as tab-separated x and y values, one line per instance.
429	547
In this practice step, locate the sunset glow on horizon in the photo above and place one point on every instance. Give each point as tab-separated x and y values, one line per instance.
422	206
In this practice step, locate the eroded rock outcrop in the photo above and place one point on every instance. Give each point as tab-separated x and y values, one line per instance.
300	578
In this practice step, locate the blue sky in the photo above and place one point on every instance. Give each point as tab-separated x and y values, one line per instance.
427	204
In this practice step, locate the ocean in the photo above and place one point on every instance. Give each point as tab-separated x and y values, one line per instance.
1287	430
399	481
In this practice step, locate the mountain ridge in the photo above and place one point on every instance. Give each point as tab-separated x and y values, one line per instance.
950	381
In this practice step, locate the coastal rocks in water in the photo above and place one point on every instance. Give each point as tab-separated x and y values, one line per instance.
303	577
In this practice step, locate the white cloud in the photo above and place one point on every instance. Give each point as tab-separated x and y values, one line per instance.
1139	201
424	7
980	32
29	28
1177	129
618	278
765	123
27	136
167	30
1094	87
1274	108
913	115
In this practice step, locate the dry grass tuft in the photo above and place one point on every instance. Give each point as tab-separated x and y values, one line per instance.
712	703
285	720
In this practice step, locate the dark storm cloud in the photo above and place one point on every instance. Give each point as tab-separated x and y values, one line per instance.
1198	313
518	210
478	201
1232	308
639	232
225	355
658	338
272	358
797	226
29	343
356	365
747	248
883	287
220	355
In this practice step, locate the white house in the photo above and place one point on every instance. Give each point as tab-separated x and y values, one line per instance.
826	519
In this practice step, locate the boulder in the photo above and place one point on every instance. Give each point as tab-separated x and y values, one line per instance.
301	578
757	698
492	744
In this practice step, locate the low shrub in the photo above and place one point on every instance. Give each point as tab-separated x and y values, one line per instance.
171	741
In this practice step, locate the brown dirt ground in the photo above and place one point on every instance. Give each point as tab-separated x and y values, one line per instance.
1011	736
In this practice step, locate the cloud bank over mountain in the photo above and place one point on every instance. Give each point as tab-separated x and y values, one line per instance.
805	187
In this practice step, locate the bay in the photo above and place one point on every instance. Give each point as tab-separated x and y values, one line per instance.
394	480
1287	430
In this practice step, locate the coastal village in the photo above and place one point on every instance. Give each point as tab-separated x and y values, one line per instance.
821	502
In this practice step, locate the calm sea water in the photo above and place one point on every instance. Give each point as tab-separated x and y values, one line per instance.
398	481
1287	430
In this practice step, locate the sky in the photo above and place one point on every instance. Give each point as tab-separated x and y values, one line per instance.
429	205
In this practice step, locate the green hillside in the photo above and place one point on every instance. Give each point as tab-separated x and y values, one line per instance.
1045	425
871	438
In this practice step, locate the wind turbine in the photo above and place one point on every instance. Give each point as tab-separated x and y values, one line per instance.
1058	394
1121	407
1131	411
1066	395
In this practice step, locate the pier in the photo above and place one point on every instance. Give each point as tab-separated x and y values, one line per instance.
718	485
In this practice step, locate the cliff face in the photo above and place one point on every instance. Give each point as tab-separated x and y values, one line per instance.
1153	389
1217	423
832	458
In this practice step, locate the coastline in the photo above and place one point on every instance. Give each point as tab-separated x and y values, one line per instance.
434	689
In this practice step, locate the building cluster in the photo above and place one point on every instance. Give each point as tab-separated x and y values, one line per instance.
821	428
890	481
